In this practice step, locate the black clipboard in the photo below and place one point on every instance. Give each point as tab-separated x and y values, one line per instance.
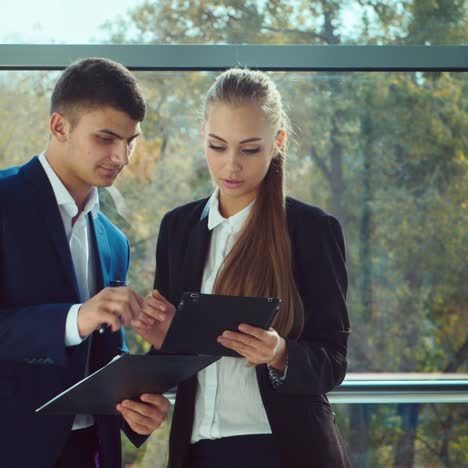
125	377
201	318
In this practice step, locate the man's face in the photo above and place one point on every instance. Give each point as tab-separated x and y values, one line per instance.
96	148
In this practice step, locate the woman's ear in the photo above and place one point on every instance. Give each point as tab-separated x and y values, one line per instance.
280	139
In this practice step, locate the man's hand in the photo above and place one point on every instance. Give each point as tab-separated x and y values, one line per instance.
154	320
112	306
147	415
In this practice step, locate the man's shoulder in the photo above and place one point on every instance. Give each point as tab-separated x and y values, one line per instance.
10	181
9	175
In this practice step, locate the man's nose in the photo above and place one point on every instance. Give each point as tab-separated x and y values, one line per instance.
121	153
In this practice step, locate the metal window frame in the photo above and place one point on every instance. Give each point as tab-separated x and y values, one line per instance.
262	57
297	58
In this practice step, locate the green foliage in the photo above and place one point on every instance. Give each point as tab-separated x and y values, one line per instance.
384	152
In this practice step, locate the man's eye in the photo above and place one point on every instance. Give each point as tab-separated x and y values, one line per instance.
105	139
216	148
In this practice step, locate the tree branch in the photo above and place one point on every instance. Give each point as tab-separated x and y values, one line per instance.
320	163
461	356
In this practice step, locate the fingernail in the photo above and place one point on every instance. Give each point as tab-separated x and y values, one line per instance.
226	333
161	316
242	327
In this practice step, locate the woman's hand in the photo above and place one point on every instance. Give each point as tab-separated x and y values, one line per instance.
257	345
154	320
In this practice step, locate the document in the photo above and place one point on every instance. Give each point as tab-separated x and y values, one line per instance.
125	377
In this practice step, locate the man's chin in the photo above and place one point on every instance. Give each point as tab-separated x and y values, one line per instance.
105	181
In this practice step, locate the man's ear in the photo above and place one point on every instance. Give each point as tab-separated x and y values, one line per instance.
58	126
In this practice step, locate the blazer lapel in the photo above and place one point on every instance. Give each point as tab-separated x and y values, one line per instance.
43	198
101	252
195	256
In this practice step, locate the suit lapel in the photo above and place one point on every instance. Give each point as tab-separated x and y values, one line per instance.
101	252
43	199
195	255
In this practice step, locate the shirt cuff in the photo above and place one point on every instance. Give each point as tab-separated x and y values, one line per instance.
72	335
277	380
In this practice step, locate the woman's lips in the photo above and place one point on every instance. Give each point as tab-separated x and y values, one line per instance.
232	184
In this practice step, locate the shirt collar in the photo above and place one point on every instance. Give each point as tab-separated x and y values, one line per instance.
62	195
215	218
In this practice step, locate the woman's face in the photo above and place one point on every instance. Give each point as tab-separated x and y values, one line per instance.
239	145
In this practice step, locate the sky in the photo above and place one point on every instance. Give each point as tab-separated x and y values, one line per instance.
58	21
65	21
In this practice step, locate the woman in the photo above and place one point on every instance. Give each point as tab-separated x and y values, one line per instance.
269	409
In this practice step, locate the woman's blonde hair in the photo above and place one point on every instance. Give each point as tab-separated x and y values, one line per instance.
260	262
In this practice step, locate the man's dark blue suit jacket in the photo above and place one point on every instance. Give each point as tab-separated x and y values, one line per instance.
37	288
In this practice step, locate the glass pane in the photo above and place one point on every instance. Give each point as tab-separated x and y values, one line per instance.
376	436
232	22
404	435
384	152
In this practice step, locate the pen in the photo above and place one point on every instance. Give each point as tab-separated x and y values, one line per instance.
112	284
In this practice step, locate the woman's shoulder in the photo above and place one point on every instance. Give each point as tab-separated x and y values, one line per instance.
189	212
307	223
297	208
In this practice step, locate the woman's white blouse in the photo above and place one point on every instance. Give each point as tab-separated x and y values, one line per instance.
228	401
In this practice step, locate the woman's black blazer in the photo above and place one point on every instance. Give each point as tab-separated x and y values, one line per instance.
300	416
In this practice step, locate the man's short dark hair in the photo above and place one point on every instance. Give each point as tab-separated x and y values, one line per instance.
97	82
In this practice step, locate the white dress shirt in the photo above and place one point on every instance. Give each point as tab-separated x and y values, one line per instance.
80	242
228	401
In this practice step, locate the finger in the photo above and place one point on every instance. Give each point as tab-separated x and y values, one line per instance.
251	357
144	414
140	300
128	304
237	346
147	319
243	338
140	428
150	301
159	401
140	326
256	355
111	320
258	333
158	295
135	303
155	313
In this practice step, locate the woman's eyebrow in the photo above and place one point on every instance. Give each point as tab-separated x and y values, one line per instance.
248	140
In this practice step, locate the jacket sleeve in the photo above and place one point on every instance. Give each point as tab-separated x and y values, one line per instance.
34	334
317	360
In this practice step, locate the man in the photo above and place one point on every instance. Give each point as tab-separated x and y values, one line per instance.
58	255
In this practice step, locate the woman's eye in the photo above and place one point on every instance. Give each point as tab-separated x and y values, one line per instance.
251	150
216	148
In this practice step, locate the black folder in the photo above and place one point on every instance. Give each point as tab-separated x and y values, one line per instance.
201	318
125	377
